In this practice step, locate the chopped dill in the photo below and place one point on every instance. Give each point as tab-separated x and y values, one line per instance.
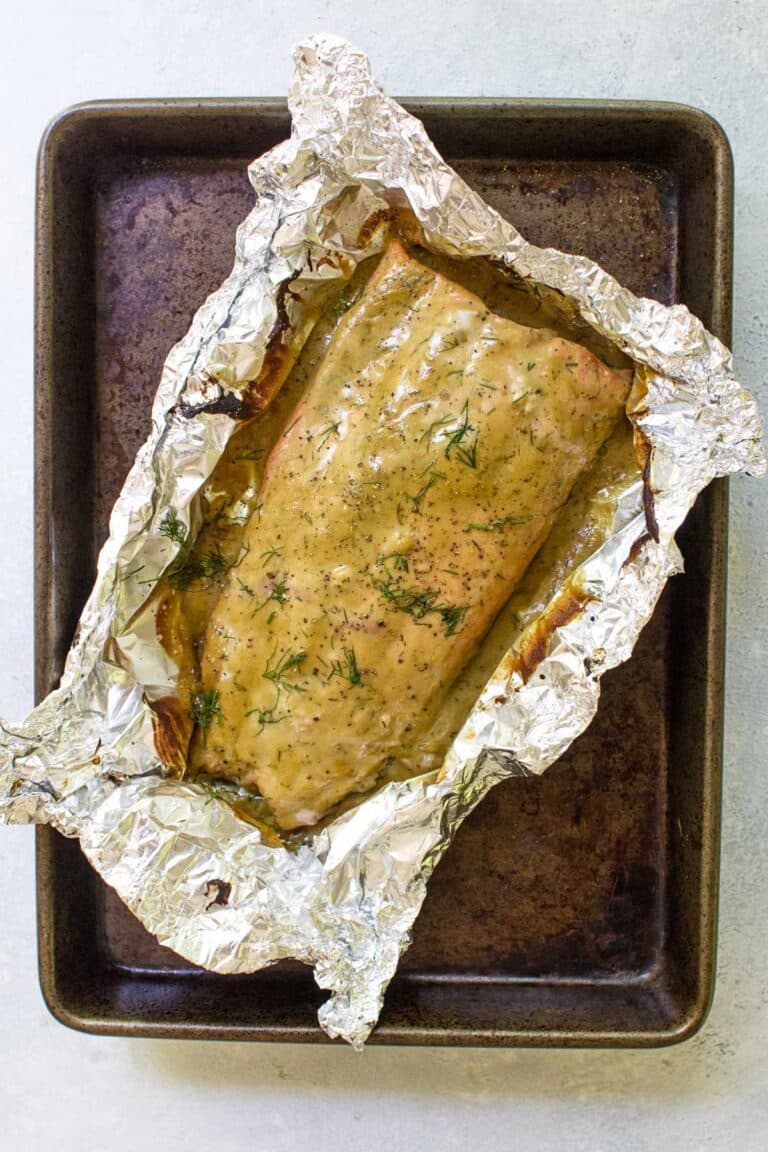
205	705
399	561
418	602
266	716
465	452
173	528
278	593
571	364
326	433
214	792
347	668
250	454
456	437
277	673
418	499
530	365
208	570
265	557
452	616
436	424
246	588
500	525
184	571
306	516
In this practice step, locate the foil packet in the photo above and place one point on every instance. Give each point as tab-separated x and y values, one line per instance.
86	760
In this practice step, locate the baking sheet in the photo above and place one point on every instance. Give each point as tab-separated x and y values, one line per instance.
589	951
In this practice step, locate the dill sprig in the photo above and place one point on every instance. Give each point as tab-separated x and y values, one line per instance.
278	594
325	434
209	569
347	669
266	716
416	602
205	705
456	438
418	499
214	792
278	672
399	561
173	528
175	531
279	591
500	524
421	602
436	425
452	616
184	571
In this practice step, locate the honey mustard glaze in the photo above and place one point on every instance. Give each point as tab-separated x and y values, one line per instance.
366	556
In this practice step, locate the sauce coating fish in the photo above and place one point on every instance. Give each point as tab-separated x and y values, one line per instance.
411	488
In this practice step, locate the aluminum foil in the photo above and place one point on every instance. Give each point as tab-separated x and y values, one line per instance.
84	761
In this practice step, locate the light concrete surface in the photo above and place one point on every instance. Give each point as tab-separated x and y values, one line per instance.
79	1091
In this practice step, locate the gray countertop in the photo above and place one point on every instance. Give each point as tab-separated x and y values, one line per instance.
707	1093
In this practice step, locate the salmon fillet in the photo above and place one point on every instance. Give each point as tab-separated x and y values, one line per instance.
402	504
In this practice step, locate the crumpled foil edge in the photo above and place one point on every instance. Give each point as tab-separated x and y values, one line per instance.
196	875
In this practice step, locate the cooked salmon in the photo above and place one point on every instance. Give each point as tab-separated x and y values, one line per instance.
400	507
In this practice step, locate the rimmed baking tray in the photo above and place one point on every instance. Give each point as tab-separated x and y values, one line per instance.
579	908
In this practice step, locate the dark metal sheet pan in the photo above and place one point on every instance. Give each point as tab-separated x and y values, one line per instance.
579	908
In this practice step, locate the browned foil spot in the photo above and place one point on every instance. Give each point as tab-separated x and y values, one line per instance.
372	225
649	503
172	727
533	646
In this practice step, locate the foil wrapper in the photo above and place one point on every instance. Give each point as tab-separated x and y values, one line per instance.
196	875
